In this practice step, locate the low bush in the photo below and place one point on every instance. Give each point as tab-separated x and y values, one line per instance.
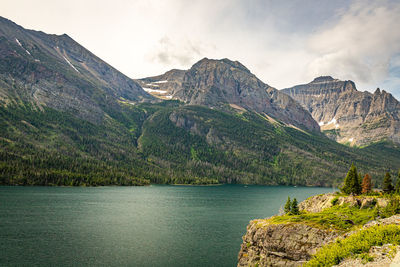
334	201
342	218
356	245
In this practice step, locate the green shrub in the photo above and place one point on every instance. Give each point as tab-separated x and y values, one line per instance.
334	201
391	209
342	218
355	245
365	257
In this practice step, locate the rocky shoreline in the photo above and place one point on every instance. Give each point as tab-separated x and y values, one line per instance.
271	243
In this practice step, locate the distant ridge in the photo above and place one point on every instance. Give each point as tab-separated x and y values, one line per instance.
55	71
348	115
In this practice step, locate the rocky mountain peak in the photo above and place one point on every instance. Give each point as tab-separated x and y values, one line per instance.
56	71
223	83
348	115
219	63
323	79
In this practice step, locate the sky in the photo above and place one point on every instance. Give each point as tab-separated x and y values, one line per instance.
284	43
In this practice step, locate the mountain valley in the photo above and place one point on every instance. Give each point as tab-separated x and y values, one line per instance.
69	118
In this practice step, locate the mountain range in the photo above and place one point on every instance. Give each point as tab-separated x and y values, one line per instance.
69	118
348	115
219	83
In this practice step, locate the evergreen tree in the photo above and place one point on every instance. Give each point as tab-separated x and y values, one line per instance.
366	185
294	209
351	182
387	184
287	206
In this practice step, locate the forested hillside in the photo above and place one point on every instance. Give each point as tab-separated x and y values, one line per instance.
173	143
69	118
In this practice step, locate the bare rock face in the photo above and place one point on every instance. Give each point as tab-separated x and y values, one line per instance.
348	115
320	202
223	83
383	257
165	85
281	244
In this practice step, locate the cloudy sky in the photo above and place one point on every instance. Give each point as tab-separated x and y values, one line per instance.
283	42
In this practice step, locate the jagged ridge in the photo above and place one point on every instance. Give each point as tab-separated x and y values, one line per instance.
348	115
219	83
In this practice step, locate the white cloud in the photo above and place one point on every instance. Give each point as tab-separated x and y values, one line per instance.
360	45
179	54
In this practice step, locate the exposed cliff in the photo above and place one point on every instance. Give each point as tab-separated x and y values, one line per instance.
281	244
348	115
293	240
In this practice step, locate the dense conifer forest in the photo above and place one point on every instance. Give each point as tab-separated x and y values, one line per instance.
172	143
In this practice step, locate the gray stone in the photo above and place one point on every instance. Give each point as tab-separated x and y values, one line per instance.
360	117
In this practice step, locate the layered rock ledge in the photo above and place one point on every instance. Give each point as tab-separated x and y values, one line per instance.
281	244
271	242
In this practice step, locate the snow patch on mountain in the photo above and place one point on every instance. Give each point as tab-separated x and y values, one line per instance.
149	90
18	42
69	63
333	121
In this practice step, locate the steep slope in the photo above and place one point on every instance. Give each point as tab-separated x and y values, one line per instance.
245	147
220	83
163	86
61	114
348	115
55	71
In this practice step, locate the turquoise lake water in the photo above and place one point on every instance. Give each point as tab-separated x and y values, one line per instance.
133	226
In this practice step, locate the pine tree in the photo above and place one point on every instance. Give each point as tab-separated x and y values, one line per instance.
387	184
294	209
366	185
351	182
287	206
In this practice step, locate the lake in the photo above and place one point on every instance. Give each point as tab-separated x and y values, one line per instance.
133	226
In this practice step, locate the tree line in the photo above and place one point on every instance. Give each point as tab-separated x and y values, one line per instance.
356	185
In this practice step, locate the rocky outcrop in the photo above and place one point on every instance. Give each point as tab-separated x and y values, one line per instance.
224	83
165	85
281	244
268	243
384	256
395	219
320	202
348	115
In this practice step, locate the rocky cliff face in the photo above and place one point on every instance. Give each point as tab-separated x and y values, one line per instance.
220	83
281	244
348	115
55	71
321	202
268	243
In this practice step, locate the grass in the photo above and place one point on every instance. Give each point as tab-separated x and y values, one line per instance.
356	245
341	218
